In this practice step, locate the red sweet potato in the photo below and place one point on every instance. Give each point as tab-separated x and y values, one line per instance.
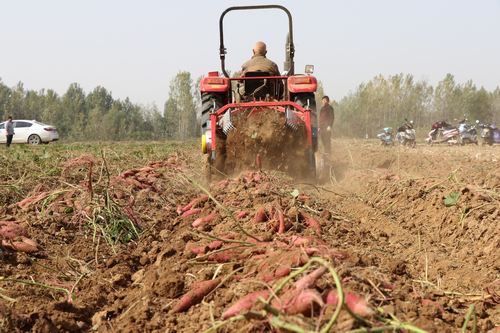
25	245
223	183
12	230
215	244
259	163
282	222
245	303
312	223
190	205
242	214
260	216
192	212
208	218
199	291
297	301
26	201
356	303
129	173
310	279
303	197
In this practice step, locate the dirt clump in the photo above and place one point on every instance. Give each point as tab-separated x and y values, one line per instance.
263	132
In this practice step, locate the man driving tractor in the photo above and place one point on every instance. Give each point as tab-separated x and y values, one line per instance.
259	62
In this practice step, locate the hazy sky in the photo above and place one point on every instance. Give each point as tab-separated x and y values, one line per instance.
134	48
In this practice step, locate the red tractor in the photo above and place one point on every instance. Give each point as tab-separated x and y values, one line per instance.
287	100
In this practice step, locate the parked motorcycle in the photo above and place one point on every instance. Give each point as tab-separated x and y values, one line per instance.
468	133
450	134
386	137
489	134
406	134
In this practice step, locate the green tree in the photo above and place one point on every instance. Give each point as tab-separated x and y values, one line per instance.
182	117
74	111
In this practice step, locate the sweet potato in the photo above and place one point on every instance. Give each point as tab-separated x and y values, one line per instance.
199	291
312	223
129	173
215	244
259	163
25	245
223	183
260	216
282	222
245	303
242	214
297	301
310	279
26	201
354	302
190	205
192	212
12	230
208	218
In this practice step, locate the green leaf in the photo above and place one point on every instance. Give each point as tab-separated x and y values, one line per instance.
295	193
451	199
254	135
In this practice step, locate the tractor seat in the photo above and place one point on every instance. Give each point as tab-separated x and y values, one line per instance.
258	88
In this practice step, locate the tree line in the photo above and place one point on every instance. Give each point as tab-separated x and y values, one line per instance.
98	116
379	103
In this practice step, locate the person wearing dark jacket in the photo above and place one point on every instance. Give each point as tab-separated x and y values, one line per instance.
9	131
326	118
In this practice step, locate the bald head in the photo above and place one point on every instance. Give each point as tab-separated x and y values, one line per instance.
260	48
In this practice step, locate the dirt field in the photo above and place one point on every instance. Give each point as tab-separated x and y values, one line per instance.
410	236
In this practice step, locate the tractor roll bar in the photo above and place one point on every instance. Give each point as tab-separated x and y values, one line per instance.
289	46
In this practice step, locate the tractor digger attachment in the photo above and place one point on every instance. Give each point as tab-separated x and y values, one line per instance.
226	123
292	120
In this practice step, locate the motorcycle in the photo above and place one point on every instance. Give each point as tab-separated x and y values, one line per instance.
406	134
450	134
386	137
489	134
468	133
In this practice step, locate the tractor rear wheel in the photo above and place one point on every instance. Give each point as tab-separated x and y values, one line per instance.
302	98
207	107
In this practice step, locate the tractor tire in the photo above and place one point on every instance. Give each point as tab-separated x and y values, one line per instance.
301	100
207	107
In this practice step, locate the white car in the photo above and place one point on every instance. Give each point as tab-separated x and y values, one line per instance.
30	131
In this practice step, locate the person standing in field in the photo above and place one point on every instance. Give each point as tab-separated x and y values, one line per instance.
326	118
9	131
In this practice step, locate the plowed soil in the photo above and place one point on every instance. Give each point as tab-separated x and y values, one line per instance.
263	132
413	234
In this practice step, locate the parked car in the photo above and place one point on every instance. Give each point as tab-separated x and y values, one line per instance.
30	131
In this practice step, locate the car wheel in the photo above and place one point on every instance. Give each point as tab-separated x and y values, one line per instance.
34	139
